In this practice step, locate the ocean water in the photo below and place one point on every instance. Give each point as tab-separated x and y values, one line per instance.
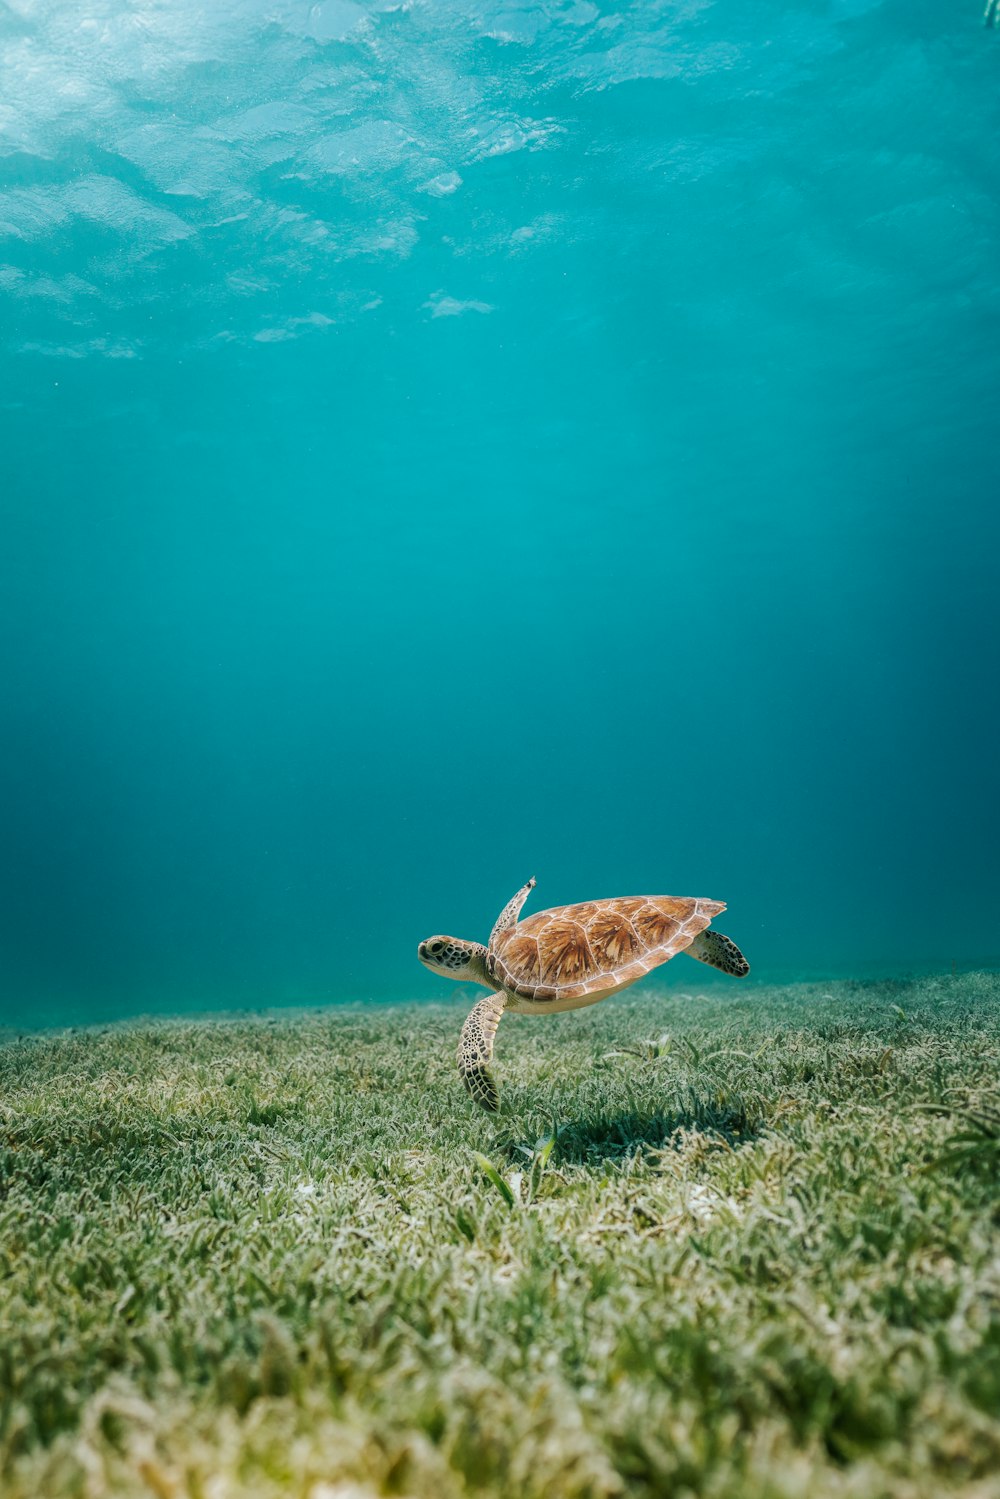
447	442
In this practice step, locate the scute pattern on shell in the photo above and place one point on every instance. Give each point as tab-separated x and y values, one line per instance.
596	946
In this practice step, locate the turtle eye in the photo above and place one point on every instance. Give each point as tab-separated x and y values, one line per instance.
436	946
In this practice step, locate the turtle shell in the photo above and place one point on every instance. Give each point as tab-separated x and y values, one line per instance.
597	946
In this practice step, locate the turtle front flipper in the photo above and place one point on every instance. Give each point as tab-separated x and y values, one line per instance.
475	1050
508	916
720	952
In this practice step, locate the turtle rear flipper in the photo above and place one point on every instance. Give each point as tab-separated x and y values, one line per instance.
721	952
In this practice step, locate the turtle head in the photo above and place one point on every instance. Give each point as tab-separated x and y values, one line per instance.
453	958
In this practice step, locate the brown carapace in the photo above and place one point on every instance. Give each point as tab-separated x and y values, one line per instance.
568	957
586	951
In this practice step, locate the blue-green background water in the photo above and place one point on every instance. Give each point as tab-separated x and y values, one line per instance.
449	442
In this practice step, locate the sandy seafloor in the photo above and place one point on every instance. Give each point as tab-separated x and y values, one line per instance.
740	1241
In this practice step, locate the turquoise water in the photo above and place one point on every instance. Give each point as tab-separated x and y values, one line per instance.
450	442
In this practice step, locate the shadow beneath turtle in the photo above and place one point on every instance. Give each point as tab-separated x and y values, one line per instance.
615	1137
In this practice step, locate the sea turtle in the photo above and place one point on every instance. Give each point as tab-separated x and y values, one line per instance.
569	957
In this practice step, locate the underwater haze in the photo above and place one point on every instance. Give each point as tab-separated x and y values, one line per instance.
449	442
